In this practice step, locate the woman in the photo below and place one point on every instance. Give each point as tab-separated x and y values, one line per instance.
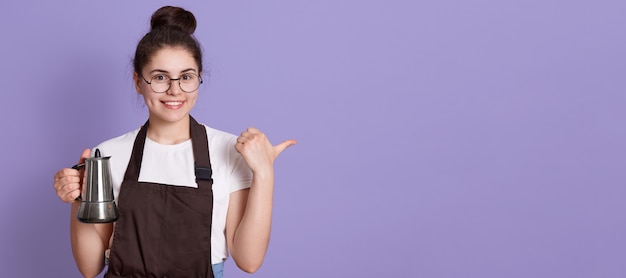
172	223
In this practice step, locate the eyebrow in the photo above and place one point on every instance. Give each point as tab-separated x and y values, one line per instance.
164	71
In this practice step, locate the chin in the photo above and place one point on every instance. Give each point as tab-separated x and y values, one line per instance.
171	118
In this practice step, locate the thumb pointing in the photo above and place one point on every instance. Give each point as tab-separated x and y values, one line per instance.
284	145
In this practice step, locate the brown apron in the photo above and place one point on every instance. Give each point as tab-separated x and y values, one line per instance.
164	230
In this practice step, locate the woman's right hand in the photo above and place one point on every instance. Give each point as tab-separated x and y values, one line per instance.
67	181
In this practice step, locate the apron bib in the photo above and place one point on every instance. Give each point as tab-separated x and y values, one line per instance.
164	230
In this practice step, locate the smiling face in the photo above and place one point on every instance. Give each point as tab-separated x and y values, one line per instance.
173	105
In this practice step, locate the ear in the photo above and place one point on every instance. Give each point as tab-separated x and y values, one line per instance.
137	81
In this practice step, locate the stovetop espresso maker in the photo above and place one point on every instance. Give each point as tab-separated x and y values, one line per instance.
97	202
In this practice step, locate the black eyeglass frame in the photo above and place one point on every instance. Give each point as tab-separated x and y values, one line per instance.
170	83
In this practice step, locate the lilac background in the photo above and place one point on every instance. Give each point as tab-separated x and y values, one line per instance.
436	138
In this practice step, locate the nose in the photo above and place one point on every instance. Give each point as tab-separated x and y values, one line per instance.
174	87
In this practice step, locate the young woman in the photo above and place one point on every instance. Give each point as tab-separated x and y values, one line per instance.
171	223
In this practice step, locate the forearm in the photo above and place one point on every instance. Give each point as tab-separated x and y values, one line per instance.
250	211
89	241
252	236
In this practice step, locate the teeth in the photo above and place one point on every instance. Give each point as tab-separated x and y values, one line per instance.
173	103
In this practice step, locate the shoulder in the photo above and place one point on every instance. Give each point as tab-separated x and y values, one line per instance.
222	146
219	137
119	149
118	144
228	165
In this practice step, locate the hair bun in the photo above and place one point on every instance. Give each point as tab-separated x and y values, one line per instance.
173	17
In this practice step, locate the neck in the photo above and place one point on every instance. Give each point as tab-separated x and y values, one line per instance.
169	133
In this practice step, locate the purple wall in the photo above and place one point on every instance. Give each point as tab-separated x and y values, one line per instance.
436	138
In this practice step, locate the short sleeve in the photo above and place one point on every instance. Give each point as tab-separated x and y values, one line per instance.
240	175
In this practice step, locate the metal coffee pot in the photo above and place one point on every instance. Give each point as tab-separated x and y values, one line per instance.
97	204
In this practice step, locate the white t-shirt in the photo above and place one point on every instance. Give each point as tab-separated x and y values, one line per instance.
174	165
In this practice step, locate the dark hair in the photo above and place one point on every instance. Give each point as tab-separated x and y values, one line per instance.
170	26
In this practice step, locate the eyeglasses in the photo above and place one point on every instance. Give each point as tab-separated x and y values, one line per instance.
188	82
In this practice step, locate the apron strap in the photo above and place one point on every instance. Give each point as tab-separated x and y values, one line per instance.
132	173
201	156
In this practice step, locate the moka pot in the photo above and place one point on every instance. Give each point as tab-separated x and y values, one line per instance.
97	202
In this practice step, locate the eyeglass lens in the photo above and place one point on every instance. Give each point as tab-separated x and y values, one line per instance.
188	82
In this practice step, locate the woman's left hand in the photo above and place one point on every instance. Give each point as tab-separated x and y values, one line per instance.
257	150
